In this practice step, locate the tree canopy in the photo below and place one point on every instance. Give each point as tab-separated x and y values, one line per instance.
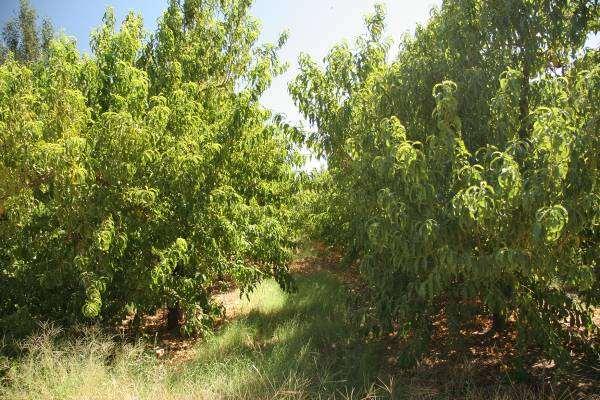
146	174
463	175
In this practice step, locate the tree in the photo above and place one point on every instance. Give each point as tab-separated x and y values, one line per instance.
47	34
22	38
464	175
131	185
29	35
472	43
10	35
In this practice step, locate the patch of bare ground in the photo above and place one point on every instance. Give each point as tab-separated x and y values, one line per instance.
325	258
171	346
168	345
177	349
484	359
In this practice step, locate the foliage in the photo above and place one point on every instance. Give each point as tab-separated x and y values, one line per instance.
145	175
483	198
22	38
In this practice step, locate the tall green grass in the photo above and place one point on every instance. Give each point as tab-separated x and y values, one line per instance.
287	345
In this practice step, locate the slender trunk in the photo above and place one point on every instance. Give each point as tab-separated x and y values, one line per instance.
174	317
498	323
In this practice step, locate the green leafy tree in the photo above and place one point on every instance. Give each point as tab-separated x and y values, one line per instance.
146	175
480	198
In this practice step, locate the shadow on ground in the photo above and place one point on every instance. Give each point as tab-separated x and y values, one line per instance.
291	346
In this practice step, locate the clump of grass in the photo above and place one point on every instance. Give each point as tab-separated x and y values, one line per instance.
92	367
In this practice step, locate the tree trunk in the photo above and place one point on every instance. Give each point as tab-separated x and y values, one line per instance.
174	317
498	323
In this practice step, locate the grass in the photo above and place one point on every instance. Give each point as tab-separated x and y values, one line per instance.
280	346
286	346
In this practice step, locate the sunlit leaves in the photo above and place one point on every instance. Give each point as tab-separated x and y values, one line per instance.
145	175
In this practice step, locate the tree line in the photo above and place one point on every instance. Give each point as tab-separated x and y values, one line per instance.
463	175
